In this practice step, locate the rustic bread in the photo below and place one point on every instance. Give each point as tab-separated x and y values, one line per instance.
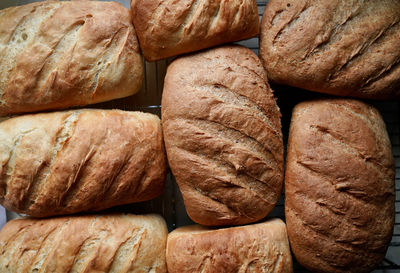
59	54
223	136
169	28
260	247
109	243
346	48
339	186
65	162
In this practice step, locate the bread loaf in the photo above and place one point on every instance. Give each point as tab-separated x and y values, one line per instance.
59	54
339	186
346	48
65	162
77	244
223	136
169	28
261	247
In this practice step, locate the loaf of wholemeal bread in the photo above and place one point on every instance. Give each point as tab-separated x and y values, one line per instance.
223	136
261	247
169	28
65	162
59	54
346	48
110	243
339	186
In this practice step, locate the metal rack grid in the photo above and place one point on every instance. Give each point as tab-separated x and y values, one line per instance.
170	204
391	114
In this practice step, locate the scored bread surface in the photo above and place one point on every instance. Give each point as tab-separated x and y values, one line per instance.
262	247
59	54
113	243
340	47
65	162
167	28
339	186
223	136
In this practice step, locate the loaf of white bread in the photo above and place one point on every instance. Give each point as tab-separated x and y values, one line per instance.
262	247
116	243
169	28
59	54
66	162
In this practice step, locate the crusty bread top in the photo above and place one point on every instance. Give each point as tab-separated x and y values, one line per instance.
262	247
341	47
95	243
167	28
339	186
59	54
65	162
223	136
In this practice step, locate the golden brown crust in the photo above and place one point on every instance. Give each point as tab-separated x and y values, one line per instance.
339	186
346	48
167	28
65	162
59	54
223	136
260	247
110	243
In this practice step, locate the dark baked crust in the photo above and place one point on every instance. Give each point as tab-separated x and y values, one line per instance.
223	136
346	48
66	162
262	247
168	28
54	55
339	186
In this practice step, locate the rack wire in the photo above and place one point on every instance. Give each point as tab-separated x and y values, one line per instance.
170	204
390	111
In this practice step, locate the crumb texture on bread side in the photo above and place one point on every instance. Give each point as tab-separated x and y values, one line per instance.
339	186
223	136
66	162
346	48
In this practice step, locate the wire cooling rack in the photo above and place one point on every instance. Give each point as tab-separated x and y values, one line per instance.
170	204
390	110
